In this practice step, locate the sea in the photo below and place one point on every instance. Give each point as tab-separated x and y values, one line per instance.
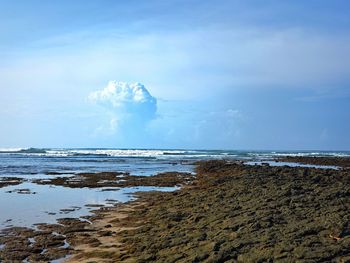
29	204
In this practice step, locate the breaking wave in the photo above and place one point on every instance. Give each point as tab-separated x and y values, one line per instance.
157	153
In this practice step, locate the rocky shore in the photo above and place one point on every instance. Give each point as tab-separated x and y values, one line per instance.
6	181
116	179
343	162
230	212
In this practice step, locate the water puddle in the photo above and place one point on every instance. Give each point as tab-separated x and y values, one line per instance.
291	164
47	203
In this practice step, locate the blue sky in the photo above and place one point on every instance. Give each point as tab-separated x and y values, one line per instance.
215	74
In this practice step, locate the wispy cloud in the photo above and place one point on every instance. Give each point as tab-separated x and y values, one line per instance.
190	63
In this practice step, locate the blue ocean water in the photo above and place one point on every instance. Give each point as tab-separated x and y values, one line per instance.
35	162
46	205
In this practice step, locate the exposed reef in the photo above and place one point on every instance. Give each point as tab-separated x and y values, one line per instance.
343	162
229	212
116	179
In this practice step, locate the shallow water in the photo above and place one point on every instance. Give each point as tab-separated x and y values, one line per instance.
45	206
29	166
44	203
291	164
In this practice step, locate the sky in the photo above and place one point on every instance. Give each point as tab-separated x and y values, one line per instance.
235	74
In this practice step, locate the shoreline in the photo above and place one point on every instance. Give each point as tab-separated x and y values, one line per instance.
237	213
232	212
107	225
343	162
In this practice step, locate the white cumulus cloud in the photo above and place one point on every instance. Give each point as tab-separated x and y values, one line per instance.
129	105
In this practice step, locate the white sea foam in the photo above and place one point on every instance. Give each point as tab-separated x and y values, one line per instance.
11	149
305	154
164	154
130	153
116	153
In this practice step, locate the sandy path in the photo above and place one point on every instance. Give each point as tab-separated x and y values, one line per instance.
106	227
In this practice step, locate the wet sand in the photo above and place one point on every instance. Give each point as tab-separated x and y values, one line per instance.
230	212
